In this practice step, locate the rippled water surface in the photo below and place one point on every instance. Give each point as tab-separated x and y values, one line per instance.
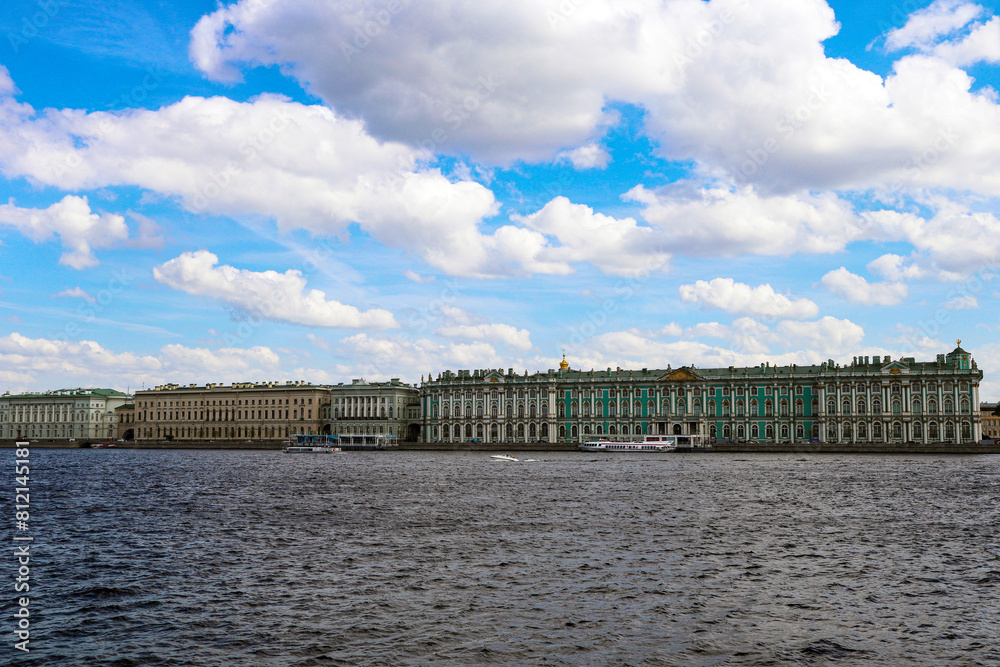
409	558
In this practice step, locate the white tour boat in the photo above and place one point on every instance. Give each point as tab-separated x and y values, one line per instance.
648	443
502	457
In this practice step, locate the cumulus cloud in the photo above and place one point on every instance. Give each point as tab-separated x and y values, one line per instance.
723	220
504	333
925	26
740	298
43	363
856	289
79	229
746	342
724	83
591	156
278	296
615	246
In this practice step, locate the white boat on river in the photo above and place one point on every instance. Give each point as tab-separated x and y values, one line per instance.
648	443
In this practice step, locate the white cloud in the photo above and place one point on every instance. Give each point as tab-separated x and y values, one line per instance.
75	293
504	333
615	246
925	26
590	156
728	221
724	83
79	230
856	289
982	44
39	363
417	278
749	343
739	298
894	267
278	296
962	303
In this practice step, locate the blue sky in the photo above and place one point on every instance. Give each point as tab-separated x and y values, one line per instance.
196	192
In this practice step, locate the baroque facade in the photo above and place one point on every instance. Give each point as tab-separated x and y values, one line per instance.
869	400
241	411
373	408
62	414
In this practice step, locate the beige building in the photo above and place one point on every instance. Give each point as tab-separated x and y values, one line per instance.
125	418
374	408
64	414
991	422
241	411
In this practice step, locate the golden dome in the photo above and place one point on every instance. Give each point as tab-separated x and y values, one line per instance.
563	365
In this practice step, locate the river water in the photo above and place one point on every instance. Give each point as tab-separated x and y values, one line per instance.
144	557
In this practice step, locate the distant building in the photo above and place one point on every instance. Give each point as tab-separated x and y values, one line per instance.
125	418
870	400
991	422
241	411
374	408
62	414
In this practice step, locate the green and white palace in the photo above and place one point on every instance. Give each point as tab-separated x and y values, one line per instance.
871	400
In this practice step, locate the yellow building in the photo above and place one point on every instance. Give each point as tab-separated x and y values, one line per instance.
991	422
241	411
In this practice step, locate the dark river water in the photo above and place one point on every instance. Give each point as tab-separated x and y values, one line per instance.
410	558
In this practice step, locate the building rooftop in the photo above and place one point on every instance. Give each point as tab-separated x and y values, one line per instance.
72	393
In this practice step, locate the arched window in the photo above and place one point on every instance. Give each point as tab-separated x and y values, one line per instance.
934	432
599	410
624	409
784	431
572	409
666	406
562	432
611	409
966	432
784	408
650	408
545	432
509	431
768	408
965	406
740	433
831	407
916	406
876	406
896	406
739	407
862	406
533	410
575	432
862	431
800	430
725	408
637	409
877	431
520	409
754	431
769	431
846	406
799	407
754	407
446	432
918	430
520	431
949	432
494	410
681	408
468	431
931	405
949	406
711	407
612	430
